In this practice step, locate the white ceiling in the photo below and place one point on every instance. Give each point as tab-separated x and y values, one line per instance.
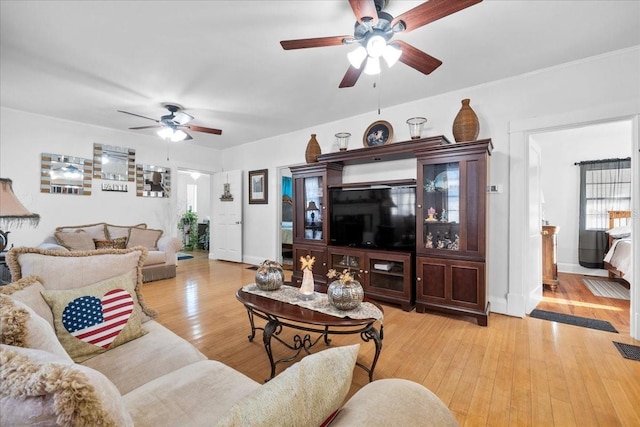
221	60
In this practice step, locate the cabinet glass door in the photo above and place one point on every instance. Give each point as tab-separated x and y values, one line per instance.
344	261
313	207
441	206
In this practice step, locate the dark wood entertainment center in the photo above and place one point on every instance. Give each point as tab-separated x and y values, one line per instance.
447	270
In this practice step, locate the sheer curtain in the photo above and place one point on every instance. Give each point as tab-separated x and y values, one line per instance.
604	185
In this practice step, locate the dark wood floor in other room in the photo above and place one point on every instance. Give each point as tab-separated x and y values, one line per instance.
573	297
515	372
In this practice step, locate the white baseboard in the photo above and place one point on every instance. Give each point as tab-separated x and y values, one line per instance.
578	269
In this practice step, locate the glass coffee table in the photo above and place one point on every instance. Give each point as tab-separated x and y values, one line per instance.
280	315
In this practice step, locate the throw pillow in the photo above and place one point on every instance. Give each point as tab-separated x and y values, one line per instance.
27	290
78	240
114	231
620	231
40	388
145	237
96	231
304	395
22	327
117	243
90	320
71	270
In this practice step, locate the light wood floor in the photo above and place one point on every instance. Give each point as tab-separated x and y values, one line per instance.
514	372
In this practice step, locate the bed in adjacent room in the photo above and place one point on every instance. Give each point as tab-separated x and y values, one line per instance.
618	260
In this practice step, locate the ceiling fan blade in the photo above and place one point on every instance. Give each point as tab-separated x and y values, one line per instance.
203	129
146	127
417	59
364	9
351	76
431	11
315	42
188	137
138	115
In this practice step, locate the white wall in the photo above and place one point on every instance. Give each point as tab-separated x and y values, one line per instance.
24	136
560	180
610	79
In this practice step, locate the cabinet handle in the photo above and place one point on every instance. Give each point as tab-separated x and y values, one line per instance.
419	279
420	206
366	272
324	264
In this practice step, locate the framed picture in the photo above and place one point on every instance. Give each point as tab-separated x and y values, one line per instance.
378	133
258	186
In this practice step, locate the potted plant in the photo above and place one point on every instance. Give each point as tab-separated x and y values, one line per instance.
188	226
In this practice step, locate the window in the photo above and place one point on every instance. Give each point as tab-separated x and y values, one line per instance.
606	188
192	197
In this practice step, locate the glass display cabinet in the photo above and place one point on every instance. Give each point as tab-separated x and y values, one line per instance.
310	225
452	229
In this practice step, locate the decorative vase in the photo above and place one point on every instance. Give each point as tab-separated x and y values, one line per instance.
313	150
345	296
466	126
269	276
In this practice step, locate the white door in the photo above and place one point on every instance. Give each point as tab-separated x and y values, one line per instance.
226	236
533	286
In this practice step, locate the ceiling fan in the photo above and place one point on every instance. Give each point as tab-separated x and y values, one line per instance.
171	125
373	31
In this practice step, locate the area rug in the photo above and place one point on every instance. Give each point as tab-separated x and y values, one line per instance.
605	288
182	255
628	351
585	322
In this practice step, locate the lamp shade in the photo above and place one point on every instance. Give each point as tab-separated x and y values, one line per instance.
12	212
312	206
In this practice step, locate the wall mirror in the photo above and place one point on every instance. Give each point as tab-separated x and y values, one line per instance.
153	181
62	174
114	163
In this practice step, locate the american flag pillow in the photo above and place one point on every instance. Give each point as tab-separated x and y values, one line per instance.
95	318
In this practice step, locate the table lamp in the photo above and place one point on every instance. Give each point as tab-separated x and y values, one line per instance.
12	212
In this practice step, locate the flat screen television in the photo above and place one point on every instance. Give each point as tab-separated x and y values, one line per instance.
379	217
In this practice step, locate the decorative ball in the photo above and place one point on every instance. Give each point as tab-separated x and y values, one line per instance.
269	276
345	296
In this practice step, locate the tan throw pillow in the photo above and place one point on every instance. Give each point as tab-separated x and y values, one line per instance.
96	231
114	231
41	388
117	243
22	327
303	395
78	240
27	290
90	320
58	270
147	238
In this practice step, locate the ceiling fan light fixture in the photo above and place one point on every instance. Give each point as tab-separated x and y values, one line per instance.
391	54
376	45
373	66
357	57
179	135
165	133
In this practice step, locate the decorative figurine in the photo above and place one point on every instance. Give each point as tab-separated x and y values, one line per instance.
429	241
431	213
443	215
306	288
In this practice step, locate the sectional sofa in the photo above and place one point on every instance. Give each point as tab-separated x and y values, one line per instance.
79	347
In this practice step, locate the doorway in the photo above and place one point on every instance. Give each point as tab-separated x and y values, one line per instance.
520	253
285	215
193	193
560	150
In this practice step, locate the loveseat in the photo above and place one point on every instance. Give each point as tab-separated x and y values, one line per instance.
145	375
159	264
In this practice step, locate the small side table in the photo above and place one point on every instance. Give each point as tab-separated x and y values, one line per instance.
550	256
5	273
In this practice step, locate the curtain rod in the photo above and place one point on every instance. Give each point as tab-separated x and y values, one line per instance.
588	162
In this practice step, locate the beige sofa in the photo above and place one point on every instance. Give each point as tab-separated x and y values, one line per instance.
147	375
162	258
